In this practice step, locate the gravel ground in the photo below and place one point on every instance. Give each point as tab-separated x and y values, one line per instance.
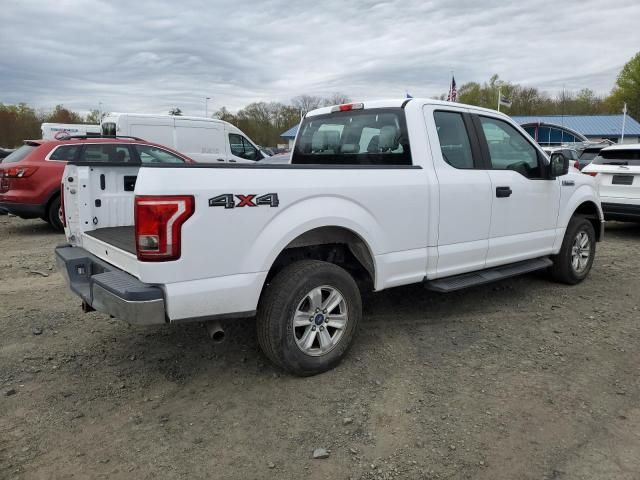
524	379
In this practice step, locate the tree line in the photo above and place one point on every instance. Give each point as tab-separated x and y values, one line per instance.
21	122
265	121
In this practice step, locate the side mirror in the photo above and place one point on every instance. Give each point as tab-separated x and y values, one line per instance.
558	166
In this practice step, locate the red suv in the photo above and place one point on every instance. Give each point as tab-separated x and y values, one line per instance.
30	177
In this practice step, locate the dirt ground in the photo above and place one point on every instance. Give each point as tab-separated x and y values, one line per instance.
524	379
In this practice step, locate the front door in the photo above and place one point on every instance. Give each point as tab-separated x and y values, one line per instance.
525	205
464	191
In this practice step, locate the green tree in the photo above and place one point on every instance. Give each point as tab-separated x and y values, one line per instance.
627	89
175	111
63	115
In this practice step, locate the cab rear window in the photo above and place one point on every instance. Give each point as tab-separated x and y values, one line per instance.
618	157
355	137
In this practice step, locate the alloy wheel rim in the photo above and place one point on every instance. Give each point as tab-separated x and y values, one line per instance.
320	320
580	252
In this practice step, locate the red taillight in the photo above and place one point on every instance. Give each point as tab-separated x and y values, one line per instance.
63	216
591	174
20	172
577	164
158	225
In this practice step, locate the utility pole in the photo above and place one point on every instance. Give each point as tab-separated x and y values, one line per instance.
624	119
206	106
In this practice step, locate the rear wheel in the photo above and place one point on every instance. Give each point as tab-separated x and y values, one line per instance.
54	214
573	263
308	317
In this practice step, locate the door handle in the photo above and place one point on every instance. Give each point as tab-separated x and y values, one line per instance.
502	192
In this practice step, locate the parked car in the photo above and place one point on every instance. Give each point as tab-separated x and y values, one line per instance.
367	203
569	153
202	139
617	173
30	177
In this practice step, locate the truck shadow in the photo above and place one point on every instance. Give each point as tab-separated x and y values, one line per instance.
178	353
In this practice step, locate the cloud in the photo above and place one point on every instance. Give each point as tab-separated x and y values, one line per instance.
150	56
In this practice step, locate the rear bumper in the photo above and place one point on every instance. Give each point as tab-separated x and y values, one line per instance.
24	210
110	290
621	211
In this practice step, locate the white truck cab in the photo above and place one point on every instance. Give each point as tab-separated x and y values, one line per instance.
203	139
377	195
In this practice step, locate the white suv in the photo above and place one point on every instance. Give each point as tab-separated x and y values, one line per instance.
617	172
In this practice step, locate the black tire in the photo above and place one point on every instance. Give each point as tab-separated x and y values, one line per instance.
53	214
280	300
563	269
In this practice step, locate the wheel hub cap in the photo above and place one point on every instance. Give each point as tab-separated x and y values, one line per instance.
320	320
580	252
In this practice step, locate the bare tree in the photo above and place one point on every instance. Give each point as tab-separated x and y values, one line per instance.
336	98
306	103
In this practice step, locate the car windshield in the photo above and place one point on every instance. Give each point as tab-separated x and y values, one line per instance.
19	154
354	137
618	157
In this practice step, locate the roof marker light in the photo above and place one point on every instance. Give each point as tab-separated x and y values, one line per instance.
345	107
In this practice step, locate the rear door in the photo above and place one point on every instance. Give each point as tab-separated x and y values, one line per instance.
464	191
525	205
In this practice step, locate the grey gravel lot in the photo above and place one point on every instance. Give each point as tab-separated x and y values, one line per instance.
524	379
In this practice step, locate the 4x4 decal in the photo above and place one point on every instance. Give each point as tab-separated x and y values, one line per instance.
230	200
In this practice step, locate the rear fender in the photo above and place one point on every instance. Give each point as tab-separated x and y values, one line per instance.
311	213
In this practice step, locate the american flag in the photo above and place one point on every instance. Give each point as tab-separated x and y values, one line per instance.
453	91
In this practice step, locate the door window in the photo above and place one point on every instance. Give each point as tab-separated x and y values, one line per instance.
509	149
106	152
151	154
454	139
241	147
65	152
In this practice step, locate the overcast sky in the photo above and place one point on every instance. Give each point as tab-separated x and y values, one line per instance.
146	56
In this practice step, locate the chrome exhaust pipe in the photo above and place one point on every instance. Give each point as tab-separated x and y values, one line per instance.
215	331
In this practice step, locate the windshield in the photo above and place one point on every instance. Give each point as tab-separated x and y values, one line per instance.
355	137
19	154
618	157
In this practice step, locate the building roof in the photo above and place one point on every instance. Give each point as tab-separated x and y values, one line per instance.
291	133
588	125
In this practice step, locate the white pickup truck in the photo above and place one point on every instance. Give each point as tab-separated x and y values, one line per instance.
377	195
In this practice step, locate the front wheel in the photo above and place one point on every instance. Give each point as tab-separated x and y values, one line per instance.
308	317
574	261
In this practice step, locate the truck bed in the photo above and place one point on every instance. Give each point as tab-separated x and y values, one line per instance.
119	237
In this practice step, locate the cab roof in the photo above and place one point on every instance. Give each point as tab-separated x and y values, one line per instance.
400	102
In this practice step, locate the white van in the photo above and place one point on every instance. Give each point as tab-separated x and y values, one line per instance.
202	139
61	131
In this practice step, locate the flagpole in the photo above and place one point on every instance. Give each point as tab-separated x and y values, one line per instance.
624	118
